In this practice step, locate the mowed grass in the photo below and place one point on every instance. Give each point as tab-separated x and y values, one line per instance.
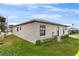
14	46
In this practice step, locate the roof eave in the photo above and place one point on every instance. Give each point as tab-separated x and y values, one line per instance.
40	22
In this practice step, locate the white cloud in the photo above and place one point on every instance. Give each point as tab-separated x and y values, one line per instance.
67	24
47	6
53	8
16	2
13	23
13	17
75	11
59	9
46	16
63	9
24	1
33	6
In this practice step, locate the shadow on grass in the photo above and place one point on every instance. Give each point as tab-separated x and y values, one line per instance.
77	54
73	44
68	47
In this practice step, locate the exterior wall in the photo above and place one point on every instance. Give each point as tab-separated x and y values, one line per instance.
27	32
66	30
31	31
49	30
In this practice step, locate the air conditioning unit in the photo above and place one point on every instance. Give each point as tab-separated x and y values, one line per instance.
58	38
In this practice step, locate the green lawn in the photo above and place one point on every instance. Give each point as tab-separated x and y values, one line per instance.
14	46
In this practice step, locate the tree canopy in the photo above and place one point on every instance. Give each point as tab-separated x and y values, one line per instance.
2	23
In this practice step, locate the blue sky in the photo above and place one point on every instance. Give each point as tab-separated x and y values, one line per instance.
60	13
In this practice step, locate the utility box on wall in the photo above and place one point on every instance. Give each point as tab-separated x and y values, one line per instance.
58	38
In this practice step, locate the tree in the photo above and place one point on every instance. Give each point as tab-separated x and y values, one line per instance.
2	24
2	28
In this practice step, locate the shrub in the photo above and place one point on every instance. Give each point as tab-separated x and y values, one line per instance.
64	36
48	40
38	42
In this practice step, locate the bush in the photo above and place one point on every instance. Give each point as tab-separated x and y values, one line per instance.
47	40
64	36
38	42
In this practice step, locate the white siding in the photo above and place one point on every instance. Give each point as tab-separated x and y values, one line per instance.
27	32
31	31
49	30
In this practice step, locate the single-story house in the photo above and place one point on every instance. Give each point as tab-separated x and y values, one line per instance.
10	28
73	30
37	29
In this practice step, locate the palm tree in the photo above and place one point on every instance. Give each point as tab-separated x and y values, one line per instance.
72	25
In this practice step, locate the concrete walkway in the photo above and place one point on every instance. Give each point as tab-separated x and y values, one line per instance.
8	33
2	34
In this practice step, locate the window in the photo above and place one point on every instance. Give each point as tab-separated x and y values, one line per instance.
63	31
17	29
42	30
20	27
58	31
65	28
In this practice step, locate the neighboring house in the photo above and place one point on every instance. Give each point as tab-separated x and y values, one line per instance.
0	31
39	29
10	28
73	30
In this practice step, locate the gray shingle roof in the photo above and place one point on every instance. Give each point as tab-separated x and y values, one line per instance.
41	21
